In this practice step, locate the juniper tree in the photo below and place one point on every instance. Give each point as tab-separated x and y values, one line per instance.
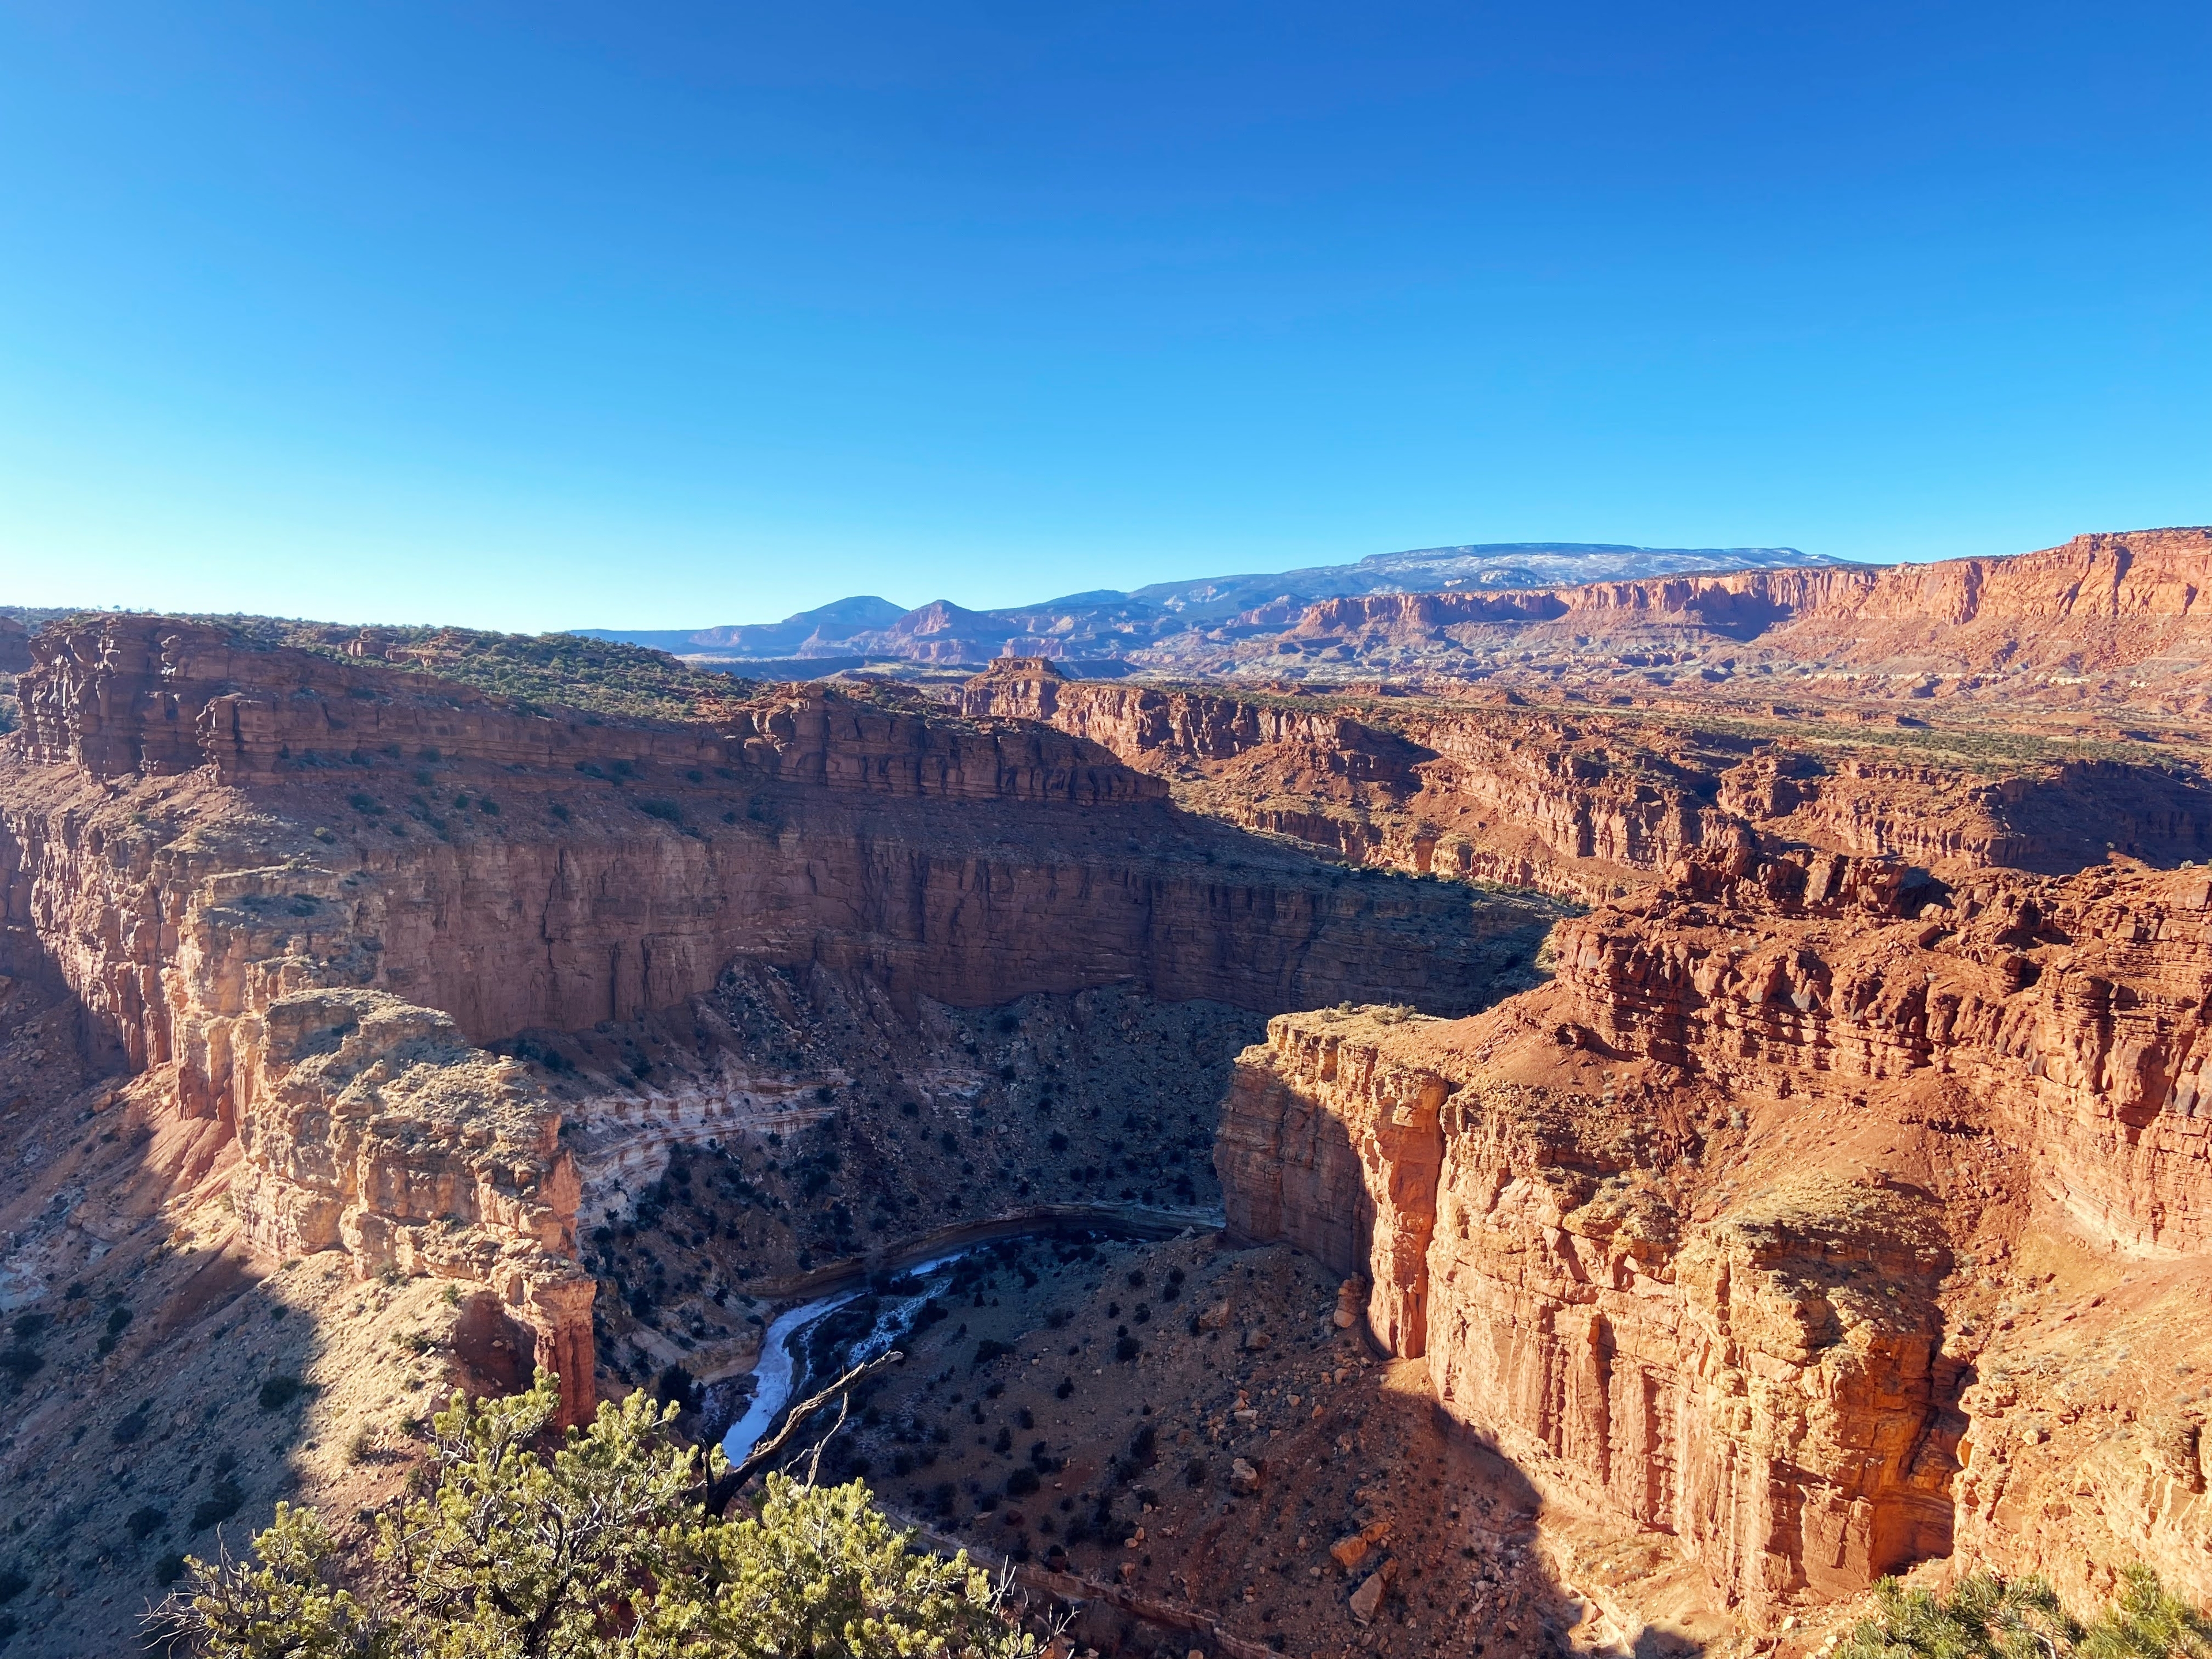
592	1546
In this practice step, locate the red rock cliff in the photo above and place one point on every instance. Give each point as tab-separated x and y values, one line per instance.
1589	805
1683	1232
218	849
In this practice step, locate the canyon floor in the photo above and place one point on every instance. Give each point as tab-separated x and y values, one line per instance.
1215	1459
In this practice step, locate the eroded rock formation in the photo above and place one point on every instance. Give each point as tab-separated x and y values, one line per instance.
2102	607
1590	805
1692	1232
301	890
367	1124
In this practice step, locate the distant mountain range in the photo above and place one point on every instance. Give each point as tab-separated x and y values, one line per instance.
1107	624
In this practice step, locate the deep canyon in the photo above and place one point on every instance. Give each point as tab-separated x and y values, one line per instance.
1650	1108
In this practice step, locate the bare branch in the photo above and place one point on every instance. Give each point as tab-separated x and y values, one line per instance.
814	1463
719	1492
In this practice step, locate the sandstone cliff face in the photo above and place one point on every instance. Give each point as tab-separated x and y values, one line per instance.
367	1124
2101	607
222	851
130	696
1738	604
2124	600
601	885
1691	1233
2077	1007
1761	1384
1518	802
1135	721
1592	806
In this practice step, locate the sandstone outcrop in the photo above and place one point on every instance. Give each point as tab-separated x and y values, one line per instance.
580	886
1692	1233
2075	1007
299	890
2103	607
133	696
1590	806
367	1124
2124	600
1135	721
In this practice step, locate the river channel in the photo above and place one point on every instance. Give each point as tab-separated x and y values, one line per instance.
904	1288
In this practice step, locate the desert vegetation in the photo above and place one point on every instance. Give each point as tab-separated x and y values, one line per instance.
1988	1617
516	1543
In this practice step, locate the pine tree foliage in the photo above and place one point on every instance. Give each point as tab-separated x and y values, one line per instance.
593	1548
1987	1617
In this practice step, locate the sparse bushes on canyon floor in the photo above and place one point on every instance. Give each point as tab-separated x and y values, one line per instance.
595	1545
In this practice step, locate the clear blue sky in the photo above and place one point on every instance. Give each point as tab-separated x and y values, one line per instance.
540	314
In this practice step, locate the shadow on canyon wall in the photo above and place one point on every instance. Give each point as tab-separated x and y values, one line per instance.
2089	810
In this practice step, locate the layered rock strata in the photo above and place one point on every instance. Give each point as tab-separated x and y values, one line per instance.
2118	608
367	1124
221	850
1693	1232
1592	806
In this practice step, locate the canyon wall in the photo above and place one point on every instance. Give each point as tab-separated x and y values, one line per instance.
1737	604
1763	1385
1488	800
145	697
222	851
368	1125
2100	605
1592	805
2119	600
597	870
2075	1009
1706	1233
1132	721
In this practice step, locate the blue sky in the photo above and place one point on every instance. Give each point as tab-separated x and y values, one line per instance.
535	315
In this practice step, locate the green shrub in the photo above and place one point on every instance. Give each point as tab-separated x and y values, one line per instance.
1987	1617
518	1548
